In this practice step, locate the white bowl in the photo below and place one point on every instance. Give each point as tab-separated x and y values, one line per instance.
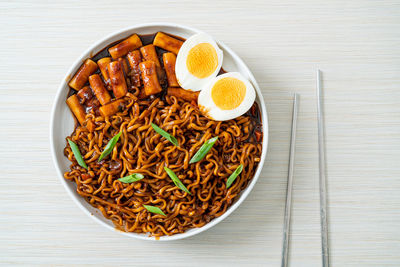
62	122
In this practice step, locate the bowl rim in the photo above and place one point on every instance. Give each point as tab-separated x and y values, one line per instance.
243	194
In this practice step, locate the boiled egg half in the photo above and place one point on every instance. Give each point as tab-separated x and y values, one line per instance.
226	97
198	62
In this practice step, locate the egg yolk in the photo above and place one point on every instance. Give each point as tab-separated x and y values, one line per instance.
228	93
202	60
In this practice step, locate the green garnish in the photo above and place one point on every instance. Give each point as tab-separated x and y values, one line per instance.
109	147
77	154
233	176
176	180
203	150
134	177
163	133
153	209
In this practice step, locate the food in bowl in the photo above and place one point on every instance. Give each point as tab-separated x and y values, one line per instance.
146	151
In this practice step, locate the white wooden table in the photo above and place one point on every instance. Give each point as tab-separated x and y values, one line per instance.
355	43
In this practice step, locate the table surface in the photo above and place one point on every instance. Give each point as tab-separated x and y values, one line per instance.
355	44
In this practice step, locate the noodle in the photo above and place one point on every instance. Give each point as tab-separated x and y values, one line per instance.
140	99
141	150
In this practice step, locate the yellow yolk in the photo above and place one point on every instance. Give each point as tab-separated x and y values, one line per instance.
202	60
228	93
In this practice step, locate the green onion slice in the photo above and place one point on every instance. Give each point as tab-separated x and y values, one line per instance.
109	147
134	177
153	209
77	154
176	180
163	133
233	176
200	154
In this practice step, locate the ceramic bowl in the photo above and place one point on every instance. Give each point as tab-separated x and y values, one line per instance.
62	122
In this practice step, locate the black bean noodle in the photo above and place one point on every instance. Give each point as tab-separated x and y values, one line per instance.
141	150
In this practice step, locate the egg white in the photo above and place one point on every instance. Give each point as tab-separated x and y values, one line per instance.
185	79
212	111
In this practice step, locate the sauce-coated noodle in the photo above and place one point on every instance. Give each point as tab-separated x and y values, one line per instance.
141	150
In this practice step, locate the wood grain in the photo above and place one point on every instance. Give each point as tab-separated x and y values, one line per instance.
355	44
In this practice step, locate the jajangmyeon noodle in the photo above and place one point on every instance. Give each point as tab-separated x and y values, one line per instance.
142	150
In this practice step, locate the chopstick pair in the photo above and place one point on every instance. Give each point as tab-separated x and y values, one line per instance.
322	179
